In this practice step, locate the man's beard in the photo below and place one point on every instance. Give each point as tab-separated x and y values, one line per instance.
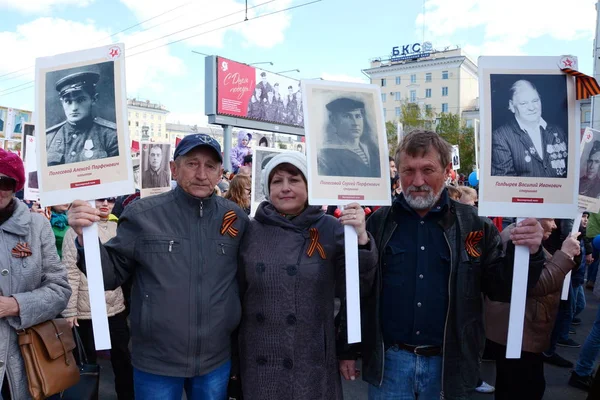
420	202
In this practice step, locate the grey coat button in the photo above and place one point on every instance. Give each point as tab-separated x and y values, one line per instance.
292	270
4	272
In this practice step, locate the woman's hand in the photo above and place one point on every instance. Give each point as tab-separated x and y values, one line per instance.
72	321
571	246
354	215
8	307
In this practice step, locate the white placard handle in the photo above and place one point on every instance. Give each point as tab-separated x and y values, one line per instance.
352	284
96	286
565	289
518	300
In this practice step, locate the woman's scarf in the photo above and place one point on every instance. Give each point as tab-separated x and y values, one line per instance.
59	221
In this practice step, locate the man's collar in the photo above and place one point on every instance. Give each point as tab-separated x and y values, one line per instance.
541	123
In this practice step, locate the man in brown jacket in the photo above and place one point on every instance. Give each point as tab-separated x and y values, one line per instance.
524	377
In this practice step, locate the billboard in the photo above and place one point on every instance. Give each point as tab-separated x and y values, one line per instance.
240	95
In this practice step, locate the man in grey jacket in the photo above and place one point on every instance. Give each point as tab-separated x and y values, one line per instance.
181	249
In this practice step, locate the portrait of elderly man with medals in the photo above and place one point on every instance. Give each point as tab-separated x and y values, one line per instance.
349	147
82	136
527	145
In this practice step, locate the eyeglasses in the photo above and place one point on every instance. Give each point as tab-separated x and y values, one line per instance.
7	183
108	199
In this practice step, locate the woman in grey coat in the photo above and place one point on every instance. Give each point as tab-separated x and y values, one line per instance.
33	282
292	260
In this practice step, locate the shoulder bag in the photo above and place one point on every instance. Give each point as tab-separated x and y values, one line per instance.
47	351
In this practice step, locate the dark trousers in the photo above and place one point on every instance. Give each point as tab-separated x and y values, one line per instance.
563	322
593	268
120	357
521	378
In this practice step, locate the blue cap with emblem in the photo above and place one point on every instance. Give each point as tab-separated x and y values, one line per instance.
190	142
86	80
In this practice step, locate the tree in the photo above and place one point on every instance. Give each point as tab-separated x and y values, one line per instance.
412	117
392	136
452	129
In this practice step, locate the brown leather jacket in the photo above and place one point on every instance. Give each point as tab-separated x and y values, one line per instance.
540	309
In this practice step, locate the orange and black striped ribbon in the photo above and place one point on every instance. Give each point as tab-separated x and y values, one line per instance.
21	250
314	244
473	239
586	85
228	221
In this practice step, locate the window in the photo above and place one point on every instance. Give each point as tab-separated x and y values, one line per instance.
444	74
397	96
444	107
383	82
428	77
413	96
383	97
166	135
469	123
428	108
137	115
587	116
397	80
129	123
397	111
445	91
427	93
137	123
413	78
384	113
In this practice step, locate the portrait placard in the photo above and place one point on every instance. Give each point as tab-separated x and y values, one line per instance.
529	157
260	159
14	146
32	188
346	144
155	170
455	157
81	123
3	121
28	130
589	179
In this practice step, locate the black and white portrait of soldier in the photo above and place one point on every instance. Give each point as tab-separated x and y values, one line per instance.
75	96
455	158
524	143
589	182
349	147
155	158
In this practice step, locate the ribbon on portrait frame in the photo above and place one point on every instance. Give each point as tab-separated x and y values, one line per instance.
586	85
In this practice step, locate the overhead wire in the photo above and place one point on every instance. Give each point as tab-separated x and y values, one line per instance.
3	91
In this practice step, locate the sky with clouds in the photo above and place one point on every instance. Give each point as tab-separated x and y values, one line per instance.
332	39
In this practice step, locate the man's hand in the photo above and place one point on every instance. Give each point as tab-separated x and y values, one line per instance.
80	216
72	321
528	233
348	370
571	246
8	307
589	259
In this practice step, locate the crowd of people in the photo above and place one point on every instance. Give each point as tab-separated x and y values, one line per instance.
205	300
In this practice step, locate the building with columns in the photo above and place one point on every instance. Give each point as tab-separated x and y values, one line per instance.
440	81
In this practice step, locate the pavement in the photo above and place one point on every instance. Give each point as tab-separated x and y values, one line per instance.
556	378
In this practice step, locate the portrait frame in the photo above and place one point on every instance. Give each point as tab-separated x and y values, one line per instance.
145	147
3	122
28	130
109	176
341	190
587	202
551	196
260	158
455	152
29	151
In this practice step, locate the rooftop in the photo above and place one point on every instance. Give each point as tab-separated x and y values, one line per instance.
146	104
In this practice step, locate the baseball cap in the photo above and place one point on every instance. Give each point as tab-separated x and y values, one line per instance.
190	142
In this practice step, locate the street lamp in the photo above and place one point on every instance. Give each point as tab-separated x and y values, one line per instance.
290	70
202	54
262	62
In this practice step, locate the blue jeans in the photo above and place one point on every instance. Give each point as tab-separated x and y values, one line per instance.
407	376
562	323
211	386
593	268
579	300
589	350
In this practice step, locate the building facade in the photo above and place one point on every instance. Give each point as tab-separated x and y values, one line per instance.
149	117
440	82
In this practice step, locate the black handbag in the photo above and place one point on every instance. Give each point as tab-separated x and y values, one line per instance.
89	382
